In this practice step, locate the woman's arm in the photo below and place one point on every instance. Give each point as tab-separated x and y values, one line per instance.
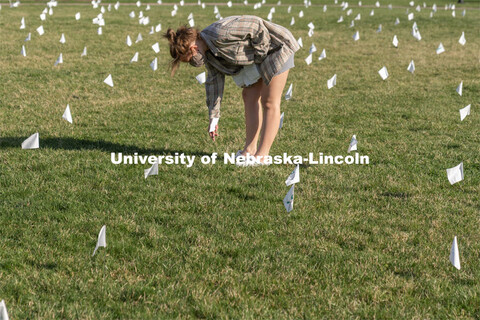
214	89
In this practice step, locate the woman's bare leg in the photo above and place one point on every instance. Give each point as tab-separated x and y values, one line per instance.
271	97
253	116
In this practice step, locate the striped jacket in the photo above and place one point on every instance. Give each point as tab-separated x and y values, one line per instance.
238	41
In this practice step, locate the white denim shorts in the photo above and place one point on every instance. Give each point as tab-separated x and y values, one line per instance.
250	75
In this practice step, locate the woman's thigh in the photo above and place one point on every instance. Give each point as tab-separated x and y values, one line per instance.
251	94
272	94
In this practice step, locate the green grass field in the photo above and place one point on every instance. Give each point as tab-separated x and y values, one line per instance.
215	241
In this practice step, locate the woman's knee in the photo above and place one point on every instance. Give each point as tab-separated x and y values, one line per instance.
270	103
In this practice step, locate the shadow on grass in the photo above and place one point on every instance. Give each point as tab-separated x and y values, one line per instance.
66	143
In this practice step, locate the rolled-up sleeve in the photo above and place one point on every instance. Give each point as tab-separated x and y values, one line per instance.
214	89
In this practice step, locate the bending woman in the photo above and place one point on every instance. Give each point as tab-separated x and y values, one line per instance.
257	54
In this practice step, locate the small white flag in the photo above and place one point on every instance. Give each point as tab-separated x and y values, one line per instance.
383	73
353	144
462	40
139	38
23	52
455	174
40	30
59	60
229	4
410	16
158	28
109	80
288	200
440	48
101	242
29	37
323	55
340	19
3	311
292	22
288	95
32	142
152	171
156	47
282	116
397	21
62	39
191	22
379	28
356	36
129	41
465	112
84	53
99	31
300	42
213	124
201	78
313	48
332	81
372	13
135	58
43	17
460	88
294	177
154	64
308	60
411	67
132	14
454	255
300	14
395	41
22	23
311	25
325	8
77	16
377	4
67	114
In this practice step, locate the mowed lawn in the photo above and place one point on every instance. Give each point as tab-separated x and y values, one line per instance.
215	241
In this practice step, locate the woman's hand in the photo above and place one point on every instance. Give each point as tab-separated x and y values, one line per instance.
213	134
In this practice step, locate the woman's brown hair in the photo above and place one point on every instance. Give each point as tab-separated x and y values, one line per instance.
180	42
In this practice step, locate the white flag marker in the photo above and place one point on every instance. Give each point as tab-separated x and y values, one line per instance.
29	37
84	53
129	41
3	311
411	67
395	41
201	78
152	171
465	112
67	114
213	124
379	28
77	16
99	31
308	60
294	177
397	21
300	42
40	30
282	116
455	174
288	95
135	58
353	144
454	255
288	200
440	48
332	81
156	47
340	19
101	242
356	36
383	73
32	142
22	23
62	39
462	40
139	38
23	52
109	80
460	88
154	64
323	55
313	48
59	60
